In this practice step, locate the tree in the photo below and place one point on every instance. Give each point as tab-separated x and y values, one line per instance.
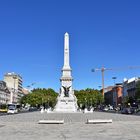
38	97
88	97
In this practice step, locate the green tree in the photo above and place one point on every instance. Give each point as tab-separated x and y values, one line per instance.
88	97
38	97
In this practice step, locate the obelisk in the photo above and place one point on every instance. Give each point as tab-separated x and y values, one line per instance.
66	79
66	101
66	51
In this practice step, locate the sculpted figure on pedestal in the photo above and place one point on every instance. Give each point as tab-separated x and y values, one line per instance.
66	91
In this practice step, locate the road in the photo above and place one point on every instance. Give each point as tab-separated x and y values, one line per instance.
25	126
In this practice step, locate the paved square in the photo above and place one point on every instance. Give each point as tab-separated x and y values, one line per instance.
25	127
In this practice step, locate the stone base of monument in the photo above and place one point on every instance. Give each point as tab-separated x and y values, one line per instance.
99	121
51	121
66	104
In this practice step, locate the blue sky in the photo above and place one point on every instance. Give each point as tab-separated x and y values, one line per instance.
102	33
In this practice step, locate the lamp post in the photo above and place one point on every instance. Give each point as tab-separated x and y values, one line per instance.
100	88
91	102
30	87
114	78
12	92
85	103
115	92
48	103
14	77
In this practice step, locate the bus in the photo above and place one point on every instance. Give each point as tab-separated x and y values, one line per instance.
13	108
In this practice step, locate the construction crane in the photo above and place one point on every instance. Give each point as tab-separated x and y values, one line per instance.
103	69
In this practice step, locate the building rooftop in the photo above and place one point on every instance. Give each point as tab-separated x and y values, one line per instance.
12	74
132	79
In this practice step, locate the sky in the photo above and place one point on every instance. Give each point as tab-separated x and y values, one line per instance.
103	33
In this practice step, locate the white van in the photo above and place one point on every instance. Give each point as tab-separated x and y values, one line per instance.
12	108
12	111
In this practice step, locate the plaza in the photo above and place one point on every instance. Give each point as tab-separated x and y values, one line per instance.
69	69
25	126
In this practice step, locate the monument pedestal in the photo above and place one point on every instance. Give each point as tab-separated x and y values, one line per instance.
66	104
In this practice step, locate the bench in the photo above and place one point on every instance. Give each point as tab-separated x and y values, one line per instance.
51	121
99	121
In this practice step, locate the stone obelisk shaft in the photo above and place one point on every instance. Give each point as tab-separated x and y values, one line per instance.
66	79
66	51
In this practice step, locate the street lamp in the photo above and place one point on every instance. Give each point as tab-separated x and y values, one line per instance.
85	103
12	96
30	87
14	77
100	88
115	92
48	103
114	78
91	102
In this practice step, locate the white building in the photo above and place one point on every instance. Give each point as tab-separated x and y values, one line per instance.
129	86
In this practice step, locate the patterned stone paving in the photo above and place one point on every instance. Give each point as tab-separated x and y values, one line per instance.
25	127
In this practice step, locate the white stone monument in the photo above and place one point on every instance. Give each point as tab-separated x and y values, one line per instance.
66	101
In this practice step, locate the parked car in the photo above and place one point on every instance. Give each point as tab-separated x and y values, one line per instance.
127	111
32	109
12	111
106	109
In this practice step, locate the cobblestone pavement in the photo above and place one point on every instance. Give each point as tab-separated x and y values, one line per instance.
25	127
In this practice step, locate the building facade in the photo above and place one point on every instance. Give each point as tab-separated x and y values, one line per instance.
113	95
14	84
4	93
25	91
108	97
129	87
117	94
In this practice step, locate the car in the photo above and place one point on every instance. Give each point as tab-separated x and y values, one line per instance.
106	109
12	111
32	109
127	111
